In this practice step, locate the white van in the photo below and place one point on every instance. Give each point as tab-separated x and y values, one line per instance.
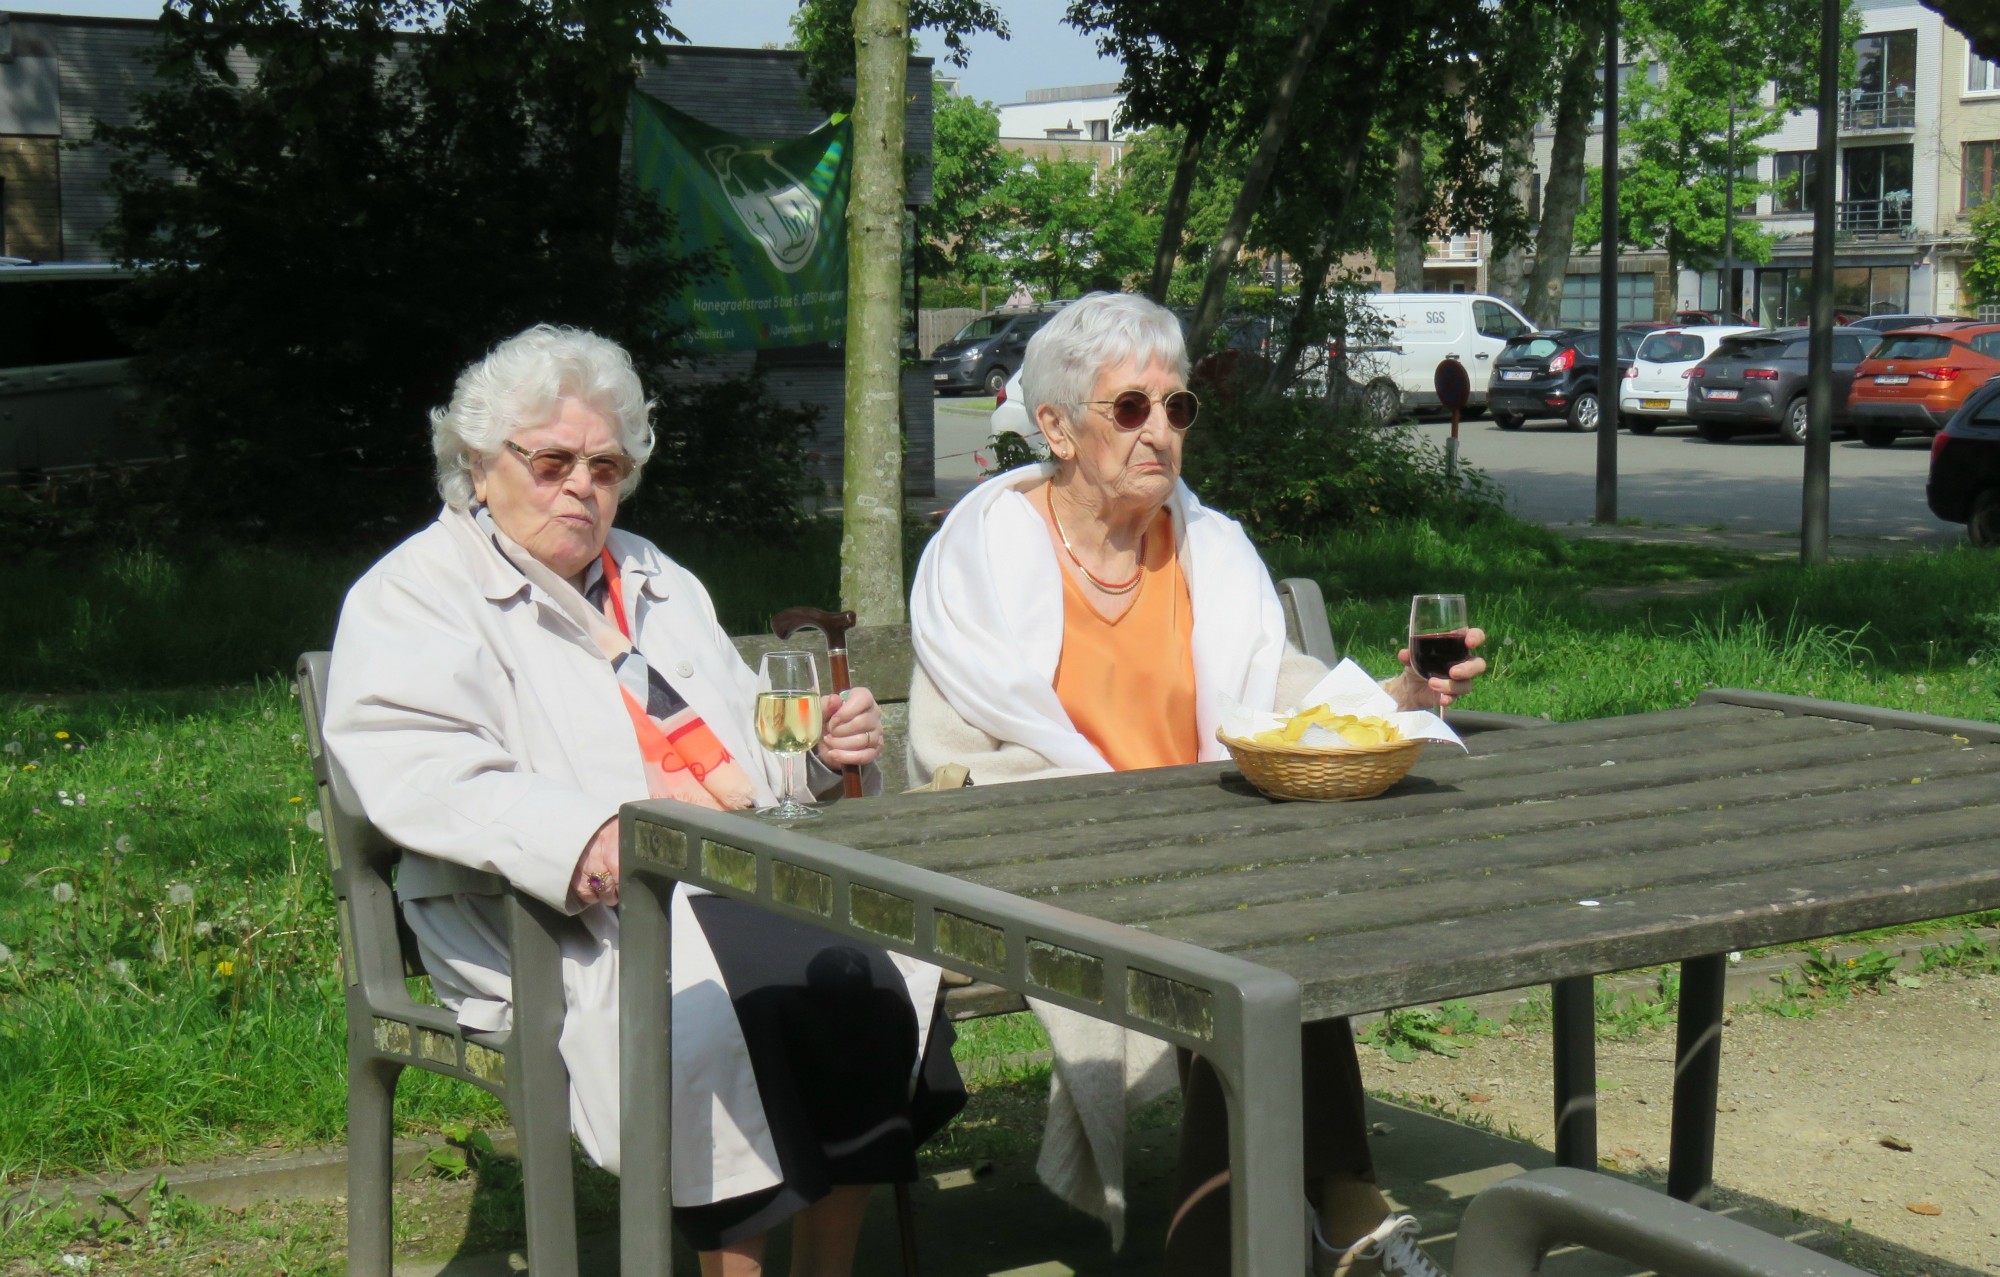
66	395
1397	371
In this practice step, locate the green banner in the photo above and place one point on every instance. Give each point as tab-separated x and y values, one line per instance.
773	216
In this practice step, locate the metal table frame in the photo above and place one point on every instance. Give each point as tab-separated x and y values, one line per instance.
1244	1019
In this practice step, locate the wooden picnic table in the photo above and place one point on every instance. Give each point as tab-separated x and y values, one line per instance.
1544	856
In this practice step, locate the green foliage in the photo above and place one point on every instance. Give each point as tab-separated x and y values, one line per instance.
1292	467
1010	452
1981	272
1403	1034
1065	227
823	30
968	164
329	239
1676	121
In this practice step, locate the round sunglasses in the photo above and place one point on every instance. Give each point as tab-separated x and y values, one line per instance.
553	465
1131	409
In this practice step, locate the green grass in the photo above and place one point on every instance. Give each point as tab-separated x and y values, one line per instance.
182	998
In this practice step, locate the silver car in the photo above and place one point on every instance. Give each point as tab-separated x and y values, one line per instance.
66	395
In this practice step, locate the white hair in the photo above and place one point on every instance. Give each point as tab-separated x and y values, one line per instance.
1098	331
521	384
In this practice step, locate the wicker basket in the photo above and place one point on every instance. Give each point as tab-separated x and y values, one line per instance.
1322	774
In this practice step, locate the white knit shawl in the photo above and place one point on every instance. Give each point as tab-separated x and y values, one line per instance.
986	618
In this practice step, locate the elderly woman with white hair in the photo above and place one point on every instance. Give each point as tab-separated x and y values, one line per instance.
1089	614
508	677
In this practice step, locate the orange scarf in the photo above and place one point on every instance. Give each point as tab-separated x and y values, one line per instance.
685	760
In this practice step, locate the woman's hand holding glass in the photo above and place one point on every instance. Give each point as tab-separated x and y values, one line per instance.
852	736
1440	620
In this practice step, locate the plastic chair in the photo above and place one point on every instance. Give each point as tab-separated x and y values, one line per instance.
1511	1226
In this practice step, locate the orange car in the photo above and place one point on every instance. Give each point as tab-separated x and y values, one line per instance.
1917	377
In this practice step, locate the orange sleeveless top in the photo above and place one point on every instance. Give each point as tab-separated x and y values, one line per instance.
1128	684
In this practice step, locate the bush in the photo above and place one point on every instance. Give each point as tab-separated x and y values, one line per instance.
1292	467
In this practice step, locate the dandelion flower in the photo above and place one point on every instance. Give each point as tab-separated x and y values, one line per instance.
225	967
62	735
62	893
6	954
119	969
13	747
204	929
69	802
1920	687
179	893
27	767
122	844
296	738
62	793
295	798
314	822
160	950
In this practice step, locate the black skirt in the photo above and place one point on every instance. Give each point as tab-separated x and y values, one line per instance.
832	1039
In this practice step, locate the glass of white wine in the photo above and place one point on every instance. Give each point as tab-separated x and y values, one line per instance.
788	722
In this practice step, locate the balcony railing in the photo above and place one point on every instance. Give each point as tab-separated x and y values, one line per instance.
1876	217
1455	248
1862	111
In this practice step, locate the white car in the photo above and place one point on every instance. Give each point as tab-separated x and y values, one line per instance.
1654	392
1010	413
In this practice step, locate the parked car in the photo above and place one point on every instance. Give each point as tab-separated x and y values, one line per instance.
1757	381
1964	485
1551	374
1010	412
1916	378
1710	318
1890	323
66	395
984	353
1654	391
1398	373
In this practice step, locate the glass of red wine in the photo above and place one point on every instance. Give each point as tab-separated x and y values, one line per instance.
1437	634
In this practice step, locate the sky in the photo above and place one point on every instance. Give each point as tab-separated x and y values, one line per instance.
1043	53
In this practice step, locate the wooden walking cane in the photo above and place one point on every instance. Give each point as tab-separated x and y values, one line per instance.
835	626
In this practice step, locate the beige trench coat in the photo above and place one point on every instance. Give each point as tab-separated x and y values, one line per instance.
484	732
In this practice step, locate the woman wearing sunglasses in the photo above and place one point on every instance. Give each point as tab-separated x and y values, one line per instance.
508	677
1089	614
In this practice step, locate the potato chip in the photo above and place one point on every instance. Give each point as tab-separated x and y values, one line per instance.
1355	730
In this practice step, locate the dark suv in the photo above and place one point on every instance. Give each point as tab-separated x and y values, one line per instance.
1551	374
984	353
1964	485
1757	381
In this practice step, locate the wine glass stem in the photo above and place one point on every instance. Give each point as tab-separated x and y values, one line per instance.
785	799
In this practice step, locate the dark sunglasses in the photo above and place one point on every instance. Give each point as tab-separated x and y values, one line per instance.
553	465
1131	409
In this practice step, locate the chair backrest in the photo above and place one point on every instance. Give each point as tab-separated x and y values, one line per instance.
359	859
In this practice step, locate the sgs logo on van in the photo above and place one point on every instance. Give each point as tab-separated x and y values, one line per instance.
1434	317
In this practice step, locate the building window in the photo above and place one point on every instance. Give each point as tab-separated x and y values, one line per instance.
1982	75
1100	130
1580	294
1884	95
1878	182
1982	168
1793	178
1746	189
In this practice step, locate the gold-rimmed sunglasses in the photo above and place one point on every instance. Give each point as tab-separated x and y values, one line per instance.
553	465
1130	409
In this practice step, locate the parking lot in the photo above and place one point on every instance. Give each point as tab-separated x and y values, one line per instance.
1750	484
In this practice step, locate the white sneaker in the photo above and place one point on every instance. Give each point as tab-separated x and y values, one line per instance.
1390	1250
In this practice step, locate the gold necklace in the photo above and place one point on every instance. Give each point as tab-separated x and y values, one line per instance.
1121	587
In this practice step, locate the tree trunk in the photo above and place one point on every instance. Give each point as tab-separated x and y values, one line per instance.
1507	268
1173	214
1408	227
1312	282
1563	192
1270	139
871	545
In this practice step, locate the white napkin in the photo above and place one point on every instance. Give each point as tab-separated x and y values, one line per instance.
1346	689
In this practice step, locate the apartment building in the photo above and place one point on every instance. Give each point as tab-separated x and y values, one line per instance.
1969	164
1078	121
